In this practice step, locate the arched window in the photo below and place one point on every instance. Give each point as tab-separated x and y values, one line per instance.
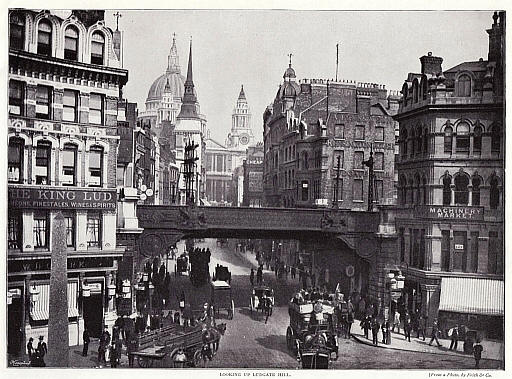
475	182
97	48
464	86
44	38
69	165
425	141
424	190
495	138
461	190
413	142
411	192
477	139
43	162
448	135
17	31
404	141
417	189
462	140
494	193
96	166
71	43
447	190
419	140
15	160
415	91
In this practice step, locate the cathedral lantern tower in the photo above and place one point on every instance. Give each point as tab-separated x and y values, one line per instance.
241	135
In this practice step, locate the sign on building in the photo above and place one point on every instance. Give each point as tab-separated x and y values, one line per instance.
449	212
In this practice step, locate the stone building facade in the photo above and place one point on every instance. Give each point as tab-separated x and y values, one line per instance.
451	189
253	177
65	81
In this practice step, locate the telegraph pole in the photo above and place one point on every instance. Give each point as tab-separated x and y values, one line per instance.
369	163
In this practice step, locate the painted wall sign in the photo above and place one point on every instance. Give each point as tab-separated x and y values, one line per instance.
336	143
73	264
59	198
440	212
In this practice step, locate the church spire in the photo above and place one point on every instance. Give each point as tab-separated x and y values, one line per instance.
189	101
242	94
173	61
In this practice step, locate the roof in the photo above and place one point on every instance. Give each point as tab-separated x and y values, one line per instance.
470	66
212	144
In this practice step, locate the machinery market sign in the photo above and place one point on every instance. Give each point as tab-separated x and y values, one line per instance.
440	212
57	198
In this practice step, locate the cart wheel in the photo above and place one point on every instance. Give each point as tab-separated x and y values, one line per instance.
197	358
232	310
145	362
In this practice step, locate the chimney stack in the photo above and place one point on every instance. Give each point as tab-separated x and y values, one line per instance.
431	64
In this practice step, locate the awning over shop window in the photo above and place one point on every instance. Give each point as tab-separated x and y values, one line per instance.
41	308
470	295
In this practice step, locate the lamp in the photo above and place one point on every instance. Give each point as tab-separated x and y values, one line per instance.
86	290
111	289
34	293
400	280
145	277
126	289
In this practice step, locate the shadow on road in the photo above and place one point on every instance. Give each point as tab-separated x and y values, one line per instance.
274	342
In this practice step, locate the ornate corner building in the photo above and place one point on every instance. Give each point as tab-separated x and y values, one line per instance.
450	188
65	81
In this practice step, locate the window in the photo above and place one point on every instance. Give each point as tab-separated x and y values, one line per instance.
93	230
402	244
359	133
413	142
96	109
69	163
97	48
339	131
95	166
379	133
492	258
69	220
404	141
358	189
17	32
15	160
44	38
419	141
338	189
16	97
305	160
495	139
475	182
464	86
220	165
42	169
70	106
477	139
341	155
14	230
425	141
473	257
445	250
448	135
41	230
494	194
462	141
305	190
358	160
459	251
461	190
447	191
424	190
43	106
71	43
379	161
378	192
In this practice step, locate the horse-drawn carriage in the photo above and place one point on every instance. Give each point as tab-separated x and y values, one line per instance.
258	294
175	342
311	334
222	273
182	266
222	298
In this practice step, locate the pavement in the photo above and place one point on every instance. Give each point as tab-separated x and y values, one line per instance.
492	349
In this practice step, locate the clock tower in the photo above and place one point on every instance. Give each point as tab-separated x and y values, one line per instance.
241	135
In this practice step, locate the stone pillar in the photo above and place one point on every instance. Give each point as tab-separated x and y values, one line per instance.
452	200
81	227
58	327
429	304
470	194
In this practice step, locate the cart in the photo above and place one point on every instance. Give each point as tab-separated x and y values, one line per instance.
222	298
182	266
311	335
167	342
257	294
222	273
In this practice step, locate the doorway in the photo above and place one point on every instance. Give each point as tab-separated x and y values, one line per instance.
14	330
93	314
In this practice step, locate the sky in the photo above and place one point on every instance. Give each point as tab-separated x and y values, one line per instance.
251	47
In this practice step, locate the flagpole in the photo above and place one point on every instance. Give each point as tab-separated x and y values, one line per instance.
337	60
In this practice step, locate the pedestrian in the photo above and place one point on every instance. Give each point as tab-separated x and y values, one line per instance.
30	348
396	322
350	316
477	352
407	326
453	333
86	339
206	354
385	330
187	315
251	277
41	347
422	327
115	356
180	358
375	330
365	324
131	346
103	346
182	301
435	332
292	272
259	275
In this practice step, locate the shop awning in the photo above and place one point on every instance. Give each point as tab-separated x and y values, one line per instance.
470	295
41	308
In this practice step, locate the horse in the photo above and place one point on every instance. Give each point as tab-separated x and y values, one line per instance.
212	335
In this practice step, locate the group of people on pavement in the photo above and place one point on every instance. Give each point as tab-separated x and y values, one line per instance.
36	355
